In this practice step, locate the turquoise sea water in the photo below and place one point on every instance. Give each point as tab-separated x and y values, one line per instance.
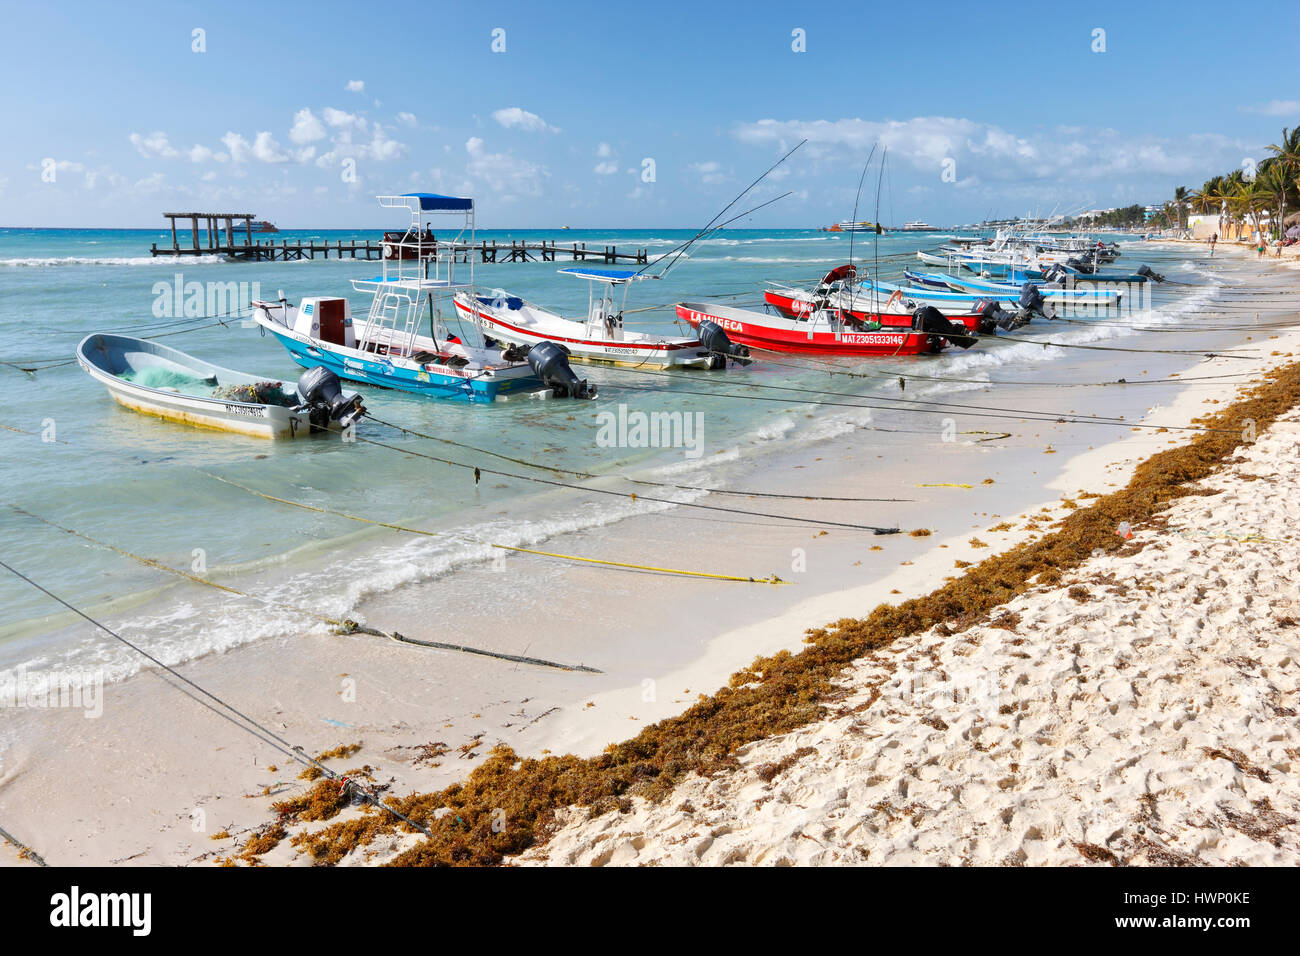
146	486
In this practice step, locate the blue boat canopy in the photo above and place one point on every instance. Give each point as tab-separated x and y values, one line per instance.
603	275
433	202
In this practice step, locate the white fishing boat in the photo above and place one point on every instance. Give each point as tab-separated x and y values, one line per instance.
598	337
165	382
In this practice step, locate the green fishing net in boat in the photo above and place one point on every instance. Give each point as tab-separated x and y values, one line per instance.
158	376
259	393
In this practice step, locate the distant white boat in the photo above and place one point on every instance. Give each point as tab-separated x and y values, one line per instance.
918	225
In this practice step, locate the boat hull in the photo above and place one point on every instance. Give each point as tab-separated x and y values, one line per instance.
775	334
1056	296
385	372
793	307
668	353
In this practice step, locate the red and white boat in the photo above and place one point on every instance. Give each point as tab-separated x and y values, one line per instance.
838	290
789	303
830	332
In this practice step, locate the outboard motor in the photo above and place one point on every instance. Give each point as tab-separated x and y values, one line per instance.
1146	273
322	393
930	320
994	317
716	342
551	364
1086	266
1057	273
1031	300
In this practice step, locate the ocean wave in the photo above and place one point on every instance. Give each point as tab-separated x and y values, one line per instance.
190	624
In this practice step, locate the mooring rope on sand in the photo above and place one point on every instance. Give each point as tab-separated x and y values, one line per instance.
24	851
773	579
813	522
636	481
251	726
345	626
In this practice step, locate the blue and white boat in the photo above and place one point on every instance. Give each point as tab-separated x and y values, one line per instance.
1052	292
405	341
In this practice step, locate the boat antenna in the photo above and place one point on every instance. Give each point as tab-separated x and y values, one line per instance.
679	251
861	179
875	239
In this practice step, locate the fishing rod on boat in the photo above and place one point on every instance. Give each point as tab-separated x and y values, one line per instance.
680	250
747	212
875	238
857	197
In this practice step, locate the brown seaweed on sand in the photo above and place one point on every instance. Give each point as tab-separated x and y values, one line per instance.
774	694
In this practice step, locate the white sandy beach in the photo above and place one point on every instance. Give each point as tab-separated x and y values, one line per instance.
1141	713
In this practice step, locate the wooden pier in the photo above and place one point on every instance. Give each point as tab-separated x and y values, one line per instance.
287	250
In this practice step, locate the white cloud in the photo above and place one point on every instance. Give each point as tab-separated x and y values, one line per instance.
154	145
153	183
263	148
1064	154
267	150
1275	108
356	86
407	119
502	173
382	147
341	119
709	172
515	118
608	164
236	145
306	127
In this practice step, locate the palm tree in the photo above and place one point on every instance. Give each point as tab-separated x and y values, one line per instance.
1234	192
1273	182
1286	153
1181	196
1248	202
1209	199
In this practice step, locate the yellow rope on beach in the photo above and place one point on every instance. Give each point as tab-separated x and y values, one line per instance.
946	484
645	567
504	547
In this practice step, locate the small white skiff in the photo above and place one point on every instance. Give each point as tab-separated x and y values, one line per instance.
166	382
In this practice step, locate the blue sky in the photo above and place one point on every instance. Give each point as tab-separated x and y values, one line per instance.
301	114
